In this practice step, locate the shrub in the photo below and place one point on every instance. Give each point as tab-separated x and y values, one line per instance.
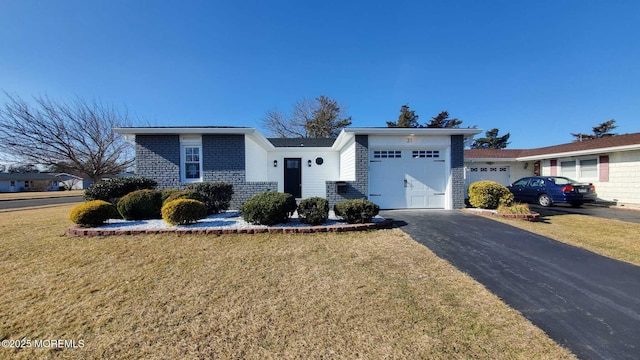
215	195
165	193
268	208
93	213
183	211
514	209
140	205
113	189
488	194
356	210
183	194
314	210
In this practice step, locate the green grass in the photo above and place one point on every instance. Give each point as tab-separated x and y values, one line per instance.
346	295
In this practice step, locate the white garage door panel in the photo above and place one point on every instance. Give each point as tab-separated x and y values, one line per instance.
416	179
499	174
386	183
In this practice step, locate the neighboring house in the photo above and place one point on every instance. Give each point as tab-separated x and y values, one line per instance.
612	164
393	167
72	182
16	182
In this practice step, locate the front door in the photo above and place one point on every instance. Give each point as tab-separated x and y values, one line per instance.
293	176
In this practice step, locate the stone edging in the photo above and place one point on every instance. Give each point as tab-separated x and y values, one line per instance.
527	217
85	232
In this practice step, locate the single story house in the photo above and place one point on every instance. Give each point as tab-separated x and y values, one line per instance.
72	182
611	163
393	167
16	182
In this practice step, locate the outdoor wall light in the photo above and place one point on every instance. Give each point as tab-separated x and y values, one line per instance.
275	163
309	163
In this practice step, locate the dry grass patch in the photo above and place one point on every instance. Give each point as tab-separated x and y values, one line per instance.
347	295
40	194
612	238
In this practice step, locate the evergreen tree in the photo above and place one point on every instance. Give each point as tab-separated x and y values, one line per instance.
600	131
442	121
491	140
406	119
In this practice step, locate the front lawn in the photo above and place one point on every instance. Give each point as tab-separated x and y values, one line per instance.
327	295
611	238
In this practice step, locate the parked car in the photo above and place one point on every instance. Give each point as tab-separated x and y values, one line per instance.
548	190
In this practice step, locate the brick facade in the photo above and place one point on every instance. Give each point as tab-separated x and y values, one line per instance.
358	189
223	160
457	171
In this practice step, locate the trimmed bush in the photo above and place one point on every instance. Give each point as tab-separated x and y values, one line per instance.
183	211
93	213
356	210
165	193
488	194
268	208
215	195
113	189
140	205
313	211
515	209
183	194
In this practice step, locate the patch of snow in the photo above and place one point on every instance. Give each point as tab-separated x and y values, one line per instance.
225	220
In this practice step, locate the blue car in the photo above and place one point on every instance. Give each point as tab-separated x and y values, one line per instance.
549	190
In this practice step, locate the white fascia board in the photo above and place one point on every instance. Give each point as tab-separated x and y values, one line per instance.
580	153
467	132
475	160
342	140
256	136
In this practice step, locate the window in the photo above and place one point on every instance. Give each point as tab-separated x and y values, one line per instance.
387	154
190	158
192	163
568	169
521	182
589	168
419	154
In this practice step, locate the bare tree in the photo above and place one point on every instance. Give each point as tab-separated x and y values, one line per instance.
78	134
321	117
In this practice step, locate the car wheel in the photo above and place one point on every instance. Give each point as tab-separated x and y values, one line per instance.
545	200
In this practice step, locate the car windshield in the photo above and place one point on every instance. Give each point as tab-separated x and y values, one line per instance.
562	181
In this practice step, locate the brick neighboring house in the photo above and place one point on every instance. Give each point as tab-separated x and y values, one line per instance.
611	163
393	167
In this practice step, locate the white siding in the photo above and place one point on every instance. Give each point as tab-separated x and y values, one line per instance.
409	142
623	185
348	162
256	163
314	177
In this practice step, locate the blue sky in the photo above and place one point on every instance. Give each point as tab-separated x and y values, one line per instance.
536	69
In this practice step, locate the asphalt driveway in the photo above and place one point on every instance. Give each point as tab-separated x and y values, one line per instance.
585	302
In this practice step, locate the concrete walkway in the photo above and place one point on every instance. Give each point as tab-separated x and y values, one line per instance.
585	302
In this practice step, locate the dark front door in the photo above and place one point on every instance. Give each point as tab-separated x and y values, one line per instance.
293	177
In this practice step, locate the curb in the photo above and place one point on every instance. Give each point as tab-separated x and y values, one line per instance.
84	232
527	217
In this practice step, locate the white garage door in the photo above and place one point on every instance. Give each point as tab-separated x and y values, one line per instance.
400	179
499	174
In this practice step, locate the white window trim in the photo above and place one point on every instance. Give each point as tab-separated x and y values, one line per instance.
190	141
578	170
